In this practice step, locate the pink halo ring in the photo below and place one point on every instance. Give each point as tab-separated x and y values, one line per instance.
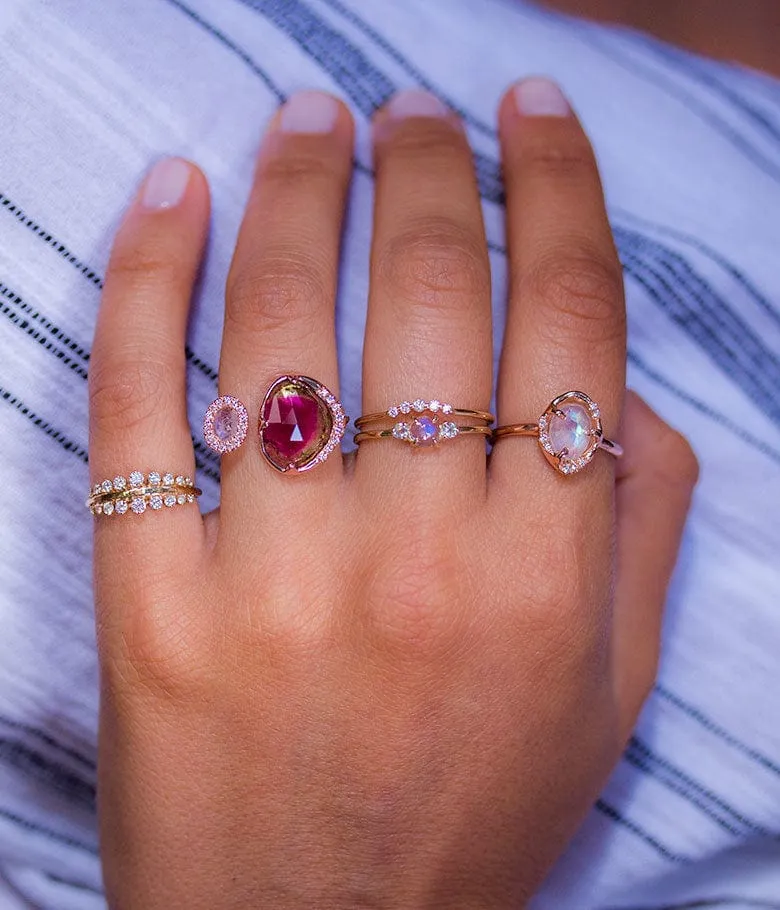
220	443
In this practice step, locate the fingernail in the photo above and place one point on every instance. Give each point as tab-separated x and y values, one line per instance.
166	183
416	103
309	112
540	97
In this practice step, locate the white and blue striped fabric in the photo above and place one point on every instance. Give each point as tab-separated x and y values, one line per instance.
94	90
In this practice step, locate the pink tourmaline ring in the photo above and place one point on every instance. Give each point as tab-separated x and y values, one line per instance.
569	432
301	423
225	424
424	423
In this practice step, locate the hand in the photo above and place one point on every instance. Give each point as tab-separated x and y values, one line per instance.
397	681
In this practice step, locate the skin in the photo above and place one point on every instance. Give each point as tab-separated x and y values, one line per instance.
400	680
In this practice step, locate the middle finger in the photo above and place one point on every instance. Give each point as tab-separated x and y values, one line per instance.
428	332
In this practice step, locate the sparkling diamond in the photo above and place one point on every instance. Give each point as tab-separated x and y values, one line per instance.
392	412
106	486
168	479
138	505
170	500
419	405
423	431
449	430
181	499
136	479
446	409
121	506
96	489
570	429
405	407
434	405
296	424
119	483
108	508
190	497
98	509
401	431
180	479
156	501
154	479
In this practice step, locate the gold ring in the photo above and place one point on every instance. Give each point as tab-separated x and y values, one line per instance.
424	423
569	432
138	492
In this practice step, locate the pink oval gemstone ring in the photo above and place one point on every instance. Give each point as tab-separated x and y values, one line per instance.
569	432
301	423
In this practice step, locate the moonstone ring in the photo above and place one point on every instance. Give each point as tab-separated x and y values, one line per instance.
569	432
423	423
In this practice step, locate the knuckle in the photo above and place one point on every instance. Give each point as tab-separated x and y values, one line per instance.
144	267
124	394
546	158
415	604
579	295
287	284
286	172
437	264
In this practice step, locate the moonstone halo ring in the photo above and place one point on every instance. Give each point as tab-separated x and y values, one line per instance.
569	432
301	423
423	424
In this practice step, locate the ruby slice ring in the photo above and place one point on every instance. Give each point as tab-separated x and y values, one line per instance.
569	432
301	423
422	423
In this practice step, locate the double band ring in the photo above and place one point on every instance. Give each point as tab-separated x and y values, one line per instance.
138	492
569	432
424	423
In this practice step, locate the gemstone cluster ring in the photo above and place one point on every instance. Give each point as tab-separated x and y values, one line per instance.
569	432
138	492
301	423
422	423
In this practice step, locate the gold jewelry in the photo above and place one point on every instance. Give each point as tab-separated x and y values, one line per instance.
137	492
569	432
425	426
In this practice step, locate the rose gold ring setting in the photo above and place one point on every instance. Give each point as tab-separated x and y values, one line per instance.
424	423
569	432
301	423
225	424
138	492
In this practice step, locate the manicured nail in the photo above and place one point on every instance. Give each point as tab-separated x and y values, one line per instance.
416	103
309	112
539	97
166	184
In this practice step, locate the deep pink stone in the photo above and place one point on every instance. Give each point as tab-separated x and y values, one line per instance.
296	425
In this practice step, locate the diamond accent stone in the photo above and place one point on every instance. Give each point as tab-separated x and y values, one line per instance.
419	405
401	431
181	499
108	508
138	505
96	489
154	479
119	483
106	486
121	506
167	479
447	409
392	412
98	509
434	405
449	430
180	479
156	501
170	500
405	407
136	479
190	497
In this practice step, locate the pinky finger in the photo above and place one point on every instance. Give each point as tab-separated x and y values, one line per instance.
655	483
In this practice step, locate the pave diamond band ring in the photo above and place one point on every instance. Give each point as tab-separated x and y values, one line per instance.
138	492
424	423
569	432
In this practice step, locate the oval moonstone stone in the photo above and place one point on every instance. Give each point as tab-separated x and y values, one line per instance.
296	425
571	433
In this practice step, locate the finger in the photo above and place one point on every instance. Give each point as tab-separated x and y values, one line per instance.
138	416
566	316
428	332
279	316
656	478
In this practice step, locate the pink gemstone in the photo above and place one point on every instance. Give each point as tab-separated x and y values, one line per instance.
296	424
423	431
570	433
225	422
